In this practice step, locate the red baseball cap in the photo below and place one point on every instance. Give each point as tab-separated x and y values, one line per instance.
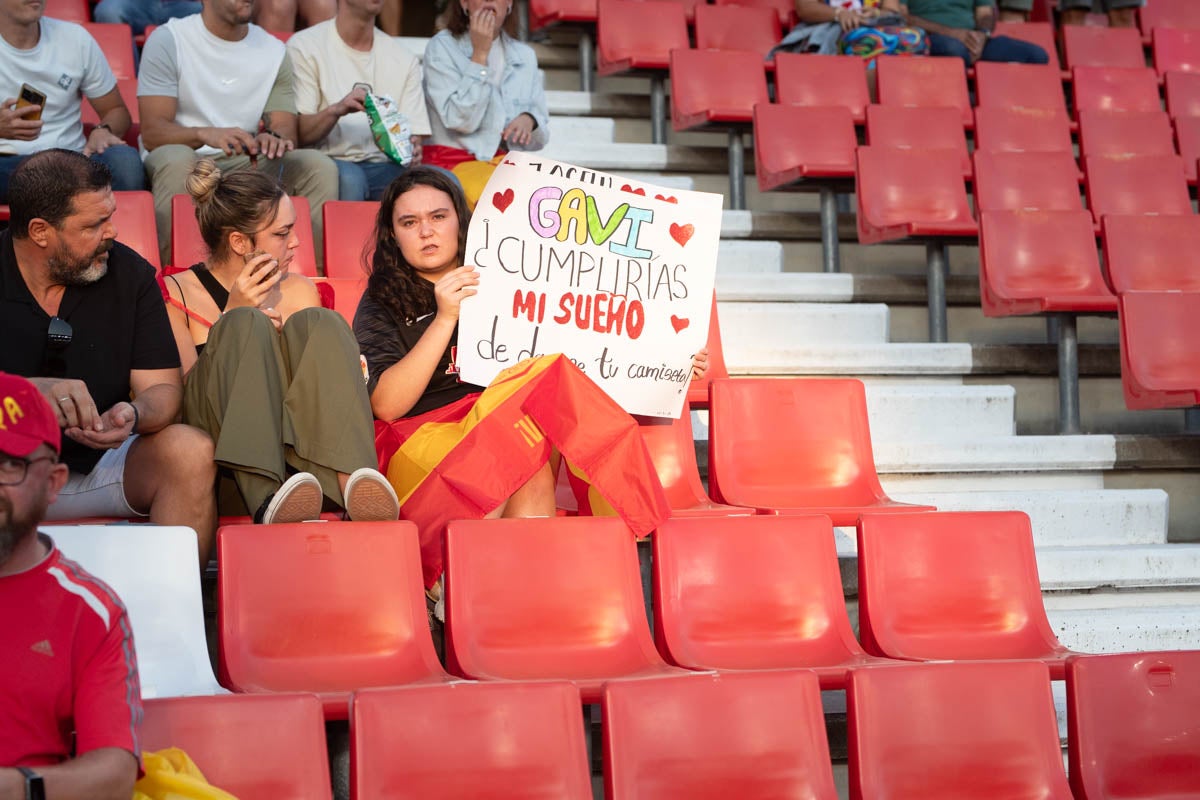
26	419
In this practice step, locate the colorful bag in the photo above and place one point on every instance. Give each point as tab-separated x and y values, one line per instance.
869	41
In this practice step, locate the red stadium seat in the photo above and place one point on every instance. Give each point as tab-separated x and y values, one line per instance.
785	8
918	128
578	14
1089	46
1167	14
1136	185
116	41
1115	88
1160	355
349	233
808	79
911	193
717	90
1187	139
1183	94
713	737
824	153
698	390
673	451
689	7
795	617
249	746
128	90
1152	252
743	28
188	248
1022	130
134	219
1125	133
345	294
638	36
1176	50
954	731
794	446
1132	725
523	597
468	740
69	10
924	82
326	608
1009	86
985	604
1039	33
1016	181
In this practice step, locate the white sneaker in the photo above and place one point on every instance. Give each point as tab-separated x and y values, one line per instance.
299	499
370	498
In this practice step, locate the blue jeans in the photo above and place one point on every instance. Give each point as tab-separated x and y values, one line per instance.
137	14
367	180
123	162
997	48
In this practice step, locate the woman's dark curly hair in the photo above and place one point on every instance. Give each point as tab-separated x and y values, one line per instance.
394	284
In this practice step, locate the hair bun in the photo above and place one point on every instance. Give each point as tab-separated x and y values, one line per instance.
202	183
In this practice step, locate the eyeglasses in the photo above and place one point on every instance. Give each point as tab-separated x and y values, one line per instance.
58	336
13	470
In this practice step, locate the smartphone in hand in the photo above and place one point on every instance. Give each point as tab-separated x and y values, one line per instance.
274	264
30	96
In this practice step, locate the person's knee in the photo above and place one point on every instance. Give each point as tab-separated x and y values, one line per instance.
168	166
178	456
109	11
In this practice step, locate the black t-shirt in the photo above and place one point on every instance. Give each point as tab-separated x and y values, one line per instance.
119	324
383	340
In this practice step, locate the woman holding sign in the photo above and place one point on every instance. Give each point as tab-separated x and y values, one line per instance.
457	451
484	94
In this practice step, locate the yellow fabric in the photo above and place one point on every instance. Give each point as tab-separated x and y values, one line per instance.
474	175
172	775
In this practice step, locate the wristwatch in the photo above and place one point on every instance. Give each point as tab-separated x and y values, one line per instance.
106	126
34	787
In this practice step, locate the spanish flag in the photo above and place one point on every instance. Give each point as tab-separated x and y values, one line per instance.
465	459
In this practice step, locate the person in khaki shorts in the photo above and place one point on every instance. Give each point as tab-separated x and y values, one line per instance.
1121	13
205	83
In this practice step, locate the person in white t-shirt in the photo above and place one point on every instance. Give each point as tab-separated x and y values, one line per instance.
205	84
63	62
334	63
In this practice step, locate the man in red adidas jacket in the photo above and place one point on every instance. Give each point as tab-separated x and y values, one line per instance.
70	702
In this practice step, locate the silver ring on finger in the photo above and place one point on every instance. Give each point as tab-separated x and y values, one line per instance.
64	399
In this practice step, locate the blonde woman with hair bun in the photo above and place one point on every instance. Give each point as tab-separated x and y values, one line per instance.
274	378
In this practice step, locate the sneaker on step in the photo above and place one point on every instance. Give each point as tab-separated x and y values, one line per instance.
299	499
370	498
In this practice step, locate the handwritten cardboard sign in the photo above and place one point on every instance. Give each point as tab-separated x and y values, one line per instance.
615	274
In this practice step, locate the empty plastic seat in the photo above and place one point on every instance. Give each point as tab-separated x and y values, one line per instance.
188	248
1039	33
1009	86
116	42
1132	725
1182	90
1089	46
795	617
1156	253
924	82
469	740
825	153
1167	14
1136	185
698	390
808	79
1187	139
249	746
1022	130
349	237
326	608
689	7
785	8
152	568
1120	133
911	193
750	29
800	445
985	604
751	736
984	731
525	599
1176	50
673	451
343	296
638	35
544	13
1115	88
1160	356
918	128
134	219
1015	181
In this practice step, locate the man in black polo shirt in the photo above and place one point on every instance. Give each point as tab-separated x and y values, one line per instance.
81	315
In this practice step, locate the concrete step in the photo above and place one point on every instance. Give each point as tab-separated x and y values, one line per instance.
921	413
582	129
745	257
841	287
1160	621
585	104
995	454
620	157
745	326
1129	566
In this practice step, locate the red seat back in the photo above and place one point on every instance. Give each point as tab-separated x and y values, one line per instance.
924	82
1008	86
715	86
943	731
1022	130
1033	262
249	746
134	219
1120	133
188	248
825	151
543	13
116	42
1115	88
349	237
808	79
904	193
1132	725
345	294
469	740
638	34
1168	14
918	128
711	737
786	9
1157	253
1176	50
737	27
1160	356
1089	46
1183	94
1015	181
1039	33
985	604
326	608
673	451
1136	185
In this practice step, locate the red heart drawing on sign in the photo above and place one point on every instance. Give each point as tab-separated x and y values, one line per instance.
627	188
502	200
679	323
680	233
671	199
510	163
